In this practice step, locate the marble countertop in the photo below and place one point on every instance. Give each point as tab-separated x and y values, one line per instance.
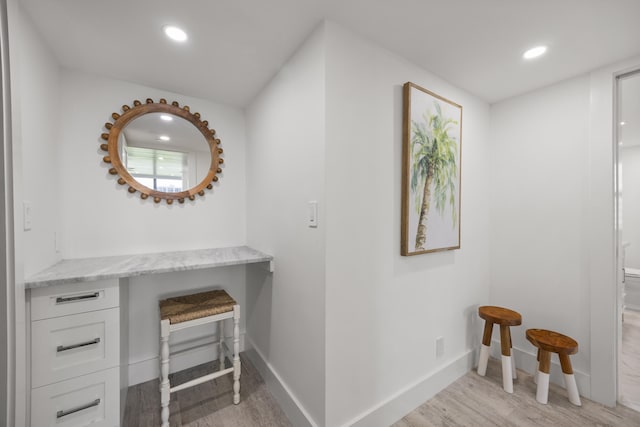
91	269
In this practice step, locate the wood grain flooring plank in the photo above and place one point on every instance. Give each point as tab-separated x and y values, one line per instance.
208	404
473	400
470	401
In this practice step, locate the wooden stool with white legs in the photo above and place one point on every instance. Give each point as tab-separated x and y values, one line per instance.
549	342
193	310
505	318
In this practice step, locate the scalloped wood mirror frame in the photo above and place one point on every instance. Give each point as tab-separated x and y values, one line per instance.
125	178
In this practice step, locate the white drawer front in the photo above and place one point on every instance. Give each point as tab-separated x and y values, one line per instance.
92	399
62	300
70	346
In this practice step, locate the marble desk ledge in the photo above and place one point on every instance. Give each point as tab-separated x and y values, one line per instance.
113	267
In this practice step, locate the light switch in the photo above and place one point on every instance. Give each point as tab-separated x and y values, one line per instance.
26	215
313	214
439	347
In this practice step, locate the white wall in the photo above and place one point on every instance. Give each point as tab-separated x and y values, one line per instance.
39	118
35	91
384	311
59	116
630	158
285	170
7	290
345	323
539	206
99	217
564	271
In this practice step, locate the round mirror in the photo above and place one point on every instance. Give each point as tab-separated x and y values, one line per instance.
163	151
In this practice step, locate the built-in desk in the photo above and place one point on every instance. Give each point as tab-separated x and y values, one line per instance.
115	267
79	330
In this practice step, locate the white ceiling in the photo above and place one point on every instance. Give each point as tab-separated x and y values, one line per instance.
236	46
145	131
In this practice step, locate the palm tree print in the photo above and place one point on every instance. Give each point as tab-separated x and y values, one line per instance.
434	166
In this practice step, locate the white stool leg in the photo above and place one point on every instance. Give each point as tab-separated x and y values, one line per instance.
572	389
485	348
484	358
507	379
160	368
165	394
569	380
542	393
221	346
505	348
514	373
236	354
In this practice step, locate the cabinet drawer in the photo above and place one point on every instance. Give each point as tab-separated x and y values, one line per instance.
92	399
62	300
70	346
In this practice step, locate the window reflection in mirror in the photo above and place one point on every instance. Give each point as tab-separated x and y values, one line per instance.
159	170
164	152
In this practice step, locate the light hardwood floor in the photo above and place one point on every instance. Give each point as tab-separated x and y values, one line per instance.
480	401
207	404
630	366
470	401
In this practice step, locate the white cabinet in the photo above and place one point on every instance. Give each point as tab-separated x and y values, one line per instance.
74	345
91	399
72	298
75	355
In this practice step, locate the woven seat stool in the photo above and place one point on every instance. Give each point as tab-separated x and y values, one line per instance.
193	310
548	342
505	318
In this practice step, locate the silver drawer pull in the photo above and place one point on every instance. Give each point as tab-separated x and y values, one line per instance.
63	300
61	414
62	348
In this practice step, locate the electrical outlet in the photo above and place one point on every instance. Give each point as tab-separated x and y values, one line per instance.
439	347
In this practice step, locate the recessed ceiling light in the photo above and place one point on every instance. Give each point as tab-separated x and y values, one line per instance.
175	33
166	117
623	123
534	52
164	138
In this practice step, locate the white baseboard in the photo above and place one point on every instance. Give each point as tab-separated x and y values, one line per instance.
409	398
203	351
527	361
290	405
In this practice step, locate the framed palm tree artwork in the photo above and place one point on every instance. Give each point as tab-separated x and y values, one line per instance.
431	155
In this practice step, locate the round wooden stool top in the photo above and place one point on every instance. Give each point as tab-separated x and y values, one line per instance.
500	315
552	341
